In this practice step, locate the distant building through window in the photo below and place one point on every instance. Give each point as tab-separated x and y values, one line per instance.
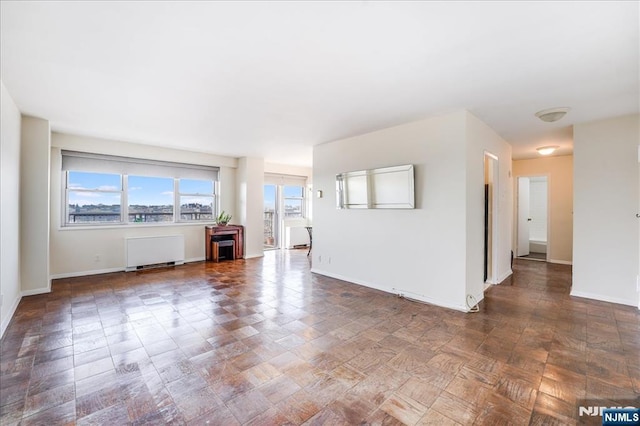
155	192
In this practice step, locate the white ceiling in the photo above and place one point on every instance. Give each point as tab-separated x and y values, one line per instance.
272	79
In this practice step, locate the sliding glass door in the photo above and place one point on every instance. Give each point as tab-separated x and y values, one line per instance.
271	225
284	209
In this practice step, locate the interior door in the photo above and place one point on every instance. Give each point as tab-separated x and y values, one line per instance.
523	216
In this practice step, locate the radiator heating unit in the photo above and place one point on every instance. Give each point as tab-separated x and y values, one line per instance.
296	236
148	252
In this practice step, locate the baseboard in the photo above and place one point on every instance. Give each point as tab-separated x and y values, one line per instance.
499	280
505	276
111	270
253	256
560	262
12	311
85	273
36	292
392	290
478	298
602	298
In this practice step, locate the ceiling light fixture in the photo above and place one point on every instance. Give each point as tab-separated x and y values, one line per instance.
547	150
552	114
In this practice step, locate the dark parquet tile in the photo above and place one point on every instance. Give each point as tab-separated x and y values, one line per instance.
265	342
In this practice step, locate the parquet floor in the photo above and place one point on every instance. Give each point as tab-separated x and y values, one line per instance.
265	342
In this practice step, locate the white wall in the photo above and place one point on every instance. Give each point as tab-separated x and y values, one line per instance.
74	250
433	252
9	208
228	191
480	139
605	242
34	205
250	180
418	252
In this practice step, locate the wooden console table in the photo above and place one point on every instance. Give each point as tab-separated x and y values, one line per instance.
235	232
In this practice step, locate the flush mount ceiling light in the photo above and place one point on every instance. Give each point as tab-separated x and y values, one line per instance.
547	150
552	114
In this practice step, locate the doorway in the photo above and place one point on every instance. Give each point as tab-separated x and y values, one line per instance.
285	215
270	217
490	218
532	218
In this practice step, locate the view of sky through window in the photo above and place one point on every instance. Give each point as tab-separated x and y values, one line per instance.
150	191
84	188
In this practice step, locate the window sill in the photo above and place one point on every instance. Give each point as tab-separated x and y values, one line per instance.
132	225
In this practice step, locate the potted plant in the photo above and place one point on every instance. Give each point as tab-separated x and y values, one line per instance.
223	218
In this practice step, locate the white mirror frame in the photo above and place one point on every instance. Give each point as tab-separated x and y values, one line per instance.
382	188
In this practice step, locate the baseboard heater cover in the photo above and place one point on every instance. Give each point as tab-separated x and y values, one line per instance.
149	252
296	236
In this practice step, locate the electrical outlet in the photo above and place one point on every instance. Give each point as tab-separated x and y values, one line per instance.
97	258
320	259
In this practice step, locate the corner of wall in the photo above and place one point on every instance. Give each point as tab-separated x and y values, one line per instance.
35	205
10	134
8	316
250	203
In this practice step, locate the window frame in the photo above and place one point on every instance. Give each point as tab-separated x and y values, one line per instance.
67	190
177	195
125	167
126	208
301	198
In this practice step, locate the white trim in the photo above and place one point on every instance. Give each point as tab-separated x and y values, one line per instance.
479	298
12	311
560	262
36	291
505	276
421	298
495	213
490	154
108	270
549	236
602	298
253	256
85	273
122	225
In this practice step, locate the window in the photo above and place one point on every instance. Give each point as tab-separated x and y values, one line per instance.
93	197
103	189
293	201
150	199
196	199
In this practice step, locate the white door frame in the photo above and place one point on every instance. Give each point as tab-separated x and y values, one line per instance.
492	278
523	202
549	235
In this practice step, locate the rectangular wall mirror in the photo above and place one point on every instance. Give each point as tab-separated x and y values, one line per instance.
383	188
